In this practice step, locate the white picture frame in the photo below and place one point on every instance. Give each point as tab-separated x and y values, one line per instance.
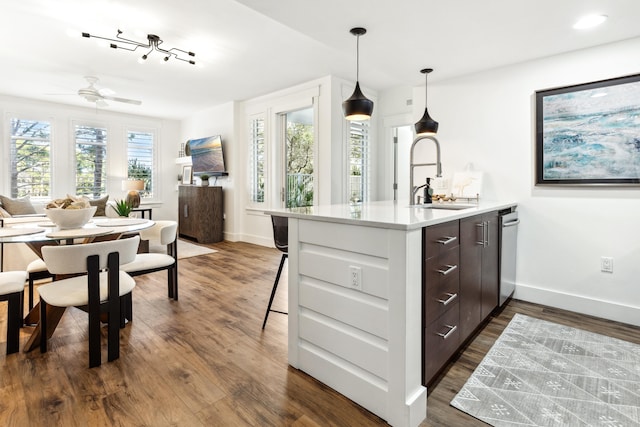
187	175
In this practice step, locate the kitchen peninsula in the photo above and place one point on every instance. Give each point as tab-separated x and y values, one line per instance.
356	316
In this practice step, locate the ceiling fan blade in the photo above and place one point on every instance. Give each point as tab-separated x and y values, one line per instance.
106	92
128	101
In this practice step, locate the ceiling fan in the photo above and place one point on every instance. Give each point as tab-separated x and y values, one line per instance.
99	96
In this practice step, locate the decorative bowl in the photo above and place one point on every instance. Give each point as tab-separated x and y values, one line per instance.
70	218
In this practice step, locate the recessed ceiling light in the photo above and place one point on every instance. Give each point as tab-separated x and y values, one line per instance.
589	21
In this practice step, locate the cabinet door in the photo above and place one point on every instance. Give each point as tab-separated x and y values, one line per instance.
185	214
490	264
471	241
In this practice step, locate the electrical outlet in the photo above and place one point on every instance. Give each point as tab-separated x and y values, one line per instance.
355	277
606	264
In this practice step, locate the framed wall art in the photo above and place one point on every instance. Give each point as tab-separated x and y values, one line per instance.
589	134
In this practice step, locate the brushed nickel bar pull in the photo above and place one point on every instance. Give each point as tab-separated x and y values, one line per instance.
449	269
451	329
480	242
447	239
487	240
448	300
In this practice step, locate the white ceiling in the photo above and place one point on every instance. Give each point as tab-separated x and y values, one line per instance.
251	47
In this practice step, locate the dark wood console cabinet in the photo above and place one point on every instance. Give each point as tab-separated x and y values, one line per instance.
200	213
460	285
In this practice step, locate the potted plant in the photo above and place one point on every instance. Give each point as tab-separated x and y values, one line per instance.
122	207
205	179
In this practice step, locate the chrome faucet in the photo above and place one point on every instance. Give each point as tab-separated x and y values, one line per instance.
413	189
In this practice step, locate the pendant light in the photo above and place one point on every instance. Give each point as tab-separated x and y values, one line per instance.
358	107
426	125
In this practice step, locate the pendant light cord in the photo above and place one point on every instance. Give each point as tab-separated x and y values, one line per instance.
426	91
358	57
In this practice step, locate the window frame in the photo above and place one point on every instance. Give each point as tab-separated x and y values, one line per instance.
365	164
108	154
155	182
9	117
251	173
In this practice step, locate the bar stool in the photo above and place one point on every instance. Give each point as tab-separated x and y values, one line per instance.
12	291
281	241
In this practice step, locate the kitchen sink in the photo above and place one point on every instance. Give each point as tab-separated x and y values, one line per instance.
445	206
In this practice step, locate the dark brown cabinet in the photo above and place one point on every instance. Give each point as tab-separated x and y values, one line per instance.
460	285
479	276
200	213
440	296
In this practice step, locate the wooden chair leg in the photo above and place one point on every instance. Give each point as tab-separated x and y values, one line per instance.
93	283
14	321
126	309
31	284
43	326
113	303
174	271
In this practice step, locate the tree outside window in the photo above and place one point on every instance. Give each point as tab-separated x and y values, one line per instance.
30	158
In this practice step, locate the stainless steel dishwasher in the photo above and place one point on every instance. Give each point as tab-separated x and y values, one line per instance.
509	241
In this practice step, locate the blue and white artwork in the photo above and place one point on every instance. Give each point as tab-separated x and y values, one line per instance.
592	135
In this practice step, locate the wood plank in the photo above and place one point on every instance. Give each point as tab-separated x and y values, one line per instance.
204	360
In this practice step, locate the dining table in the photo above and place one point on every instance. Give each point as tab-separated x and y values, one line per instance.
40	231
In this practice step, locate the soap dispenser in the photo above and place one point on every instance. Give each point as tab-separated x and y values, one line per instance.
428	191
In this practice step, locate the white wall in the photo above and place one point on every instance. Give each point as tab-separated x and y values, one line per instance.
218	120
489	119
62	117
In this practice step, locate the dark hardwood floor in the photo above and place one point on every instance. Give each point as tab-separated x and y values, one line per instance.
204	360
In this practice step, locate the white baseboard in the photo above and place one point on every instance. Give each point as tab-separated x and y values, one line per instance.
579	304
256	240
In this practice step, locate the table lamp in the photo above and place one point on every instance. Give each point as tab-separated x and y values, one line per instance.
133	186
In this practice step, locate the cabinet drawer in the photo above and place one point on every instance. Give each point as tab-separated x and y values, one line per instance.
441	237
441	340
442	283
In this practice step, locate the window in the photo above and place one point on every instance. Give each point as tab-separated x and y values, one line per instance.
358	161
257	160
140	159
30	158
91	161
299	157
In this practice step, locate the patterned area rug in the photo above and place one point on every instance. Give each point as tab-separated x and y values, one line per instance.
540	373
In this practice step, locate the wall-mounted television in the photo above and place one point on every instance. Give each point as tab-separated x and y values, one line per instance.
207	156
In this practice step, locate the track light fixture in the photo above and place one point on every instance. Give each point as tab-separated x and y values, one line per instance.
426	125
153	43
358	107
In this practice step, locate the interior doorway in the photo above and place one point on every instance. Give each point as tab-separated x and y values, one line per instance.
402	140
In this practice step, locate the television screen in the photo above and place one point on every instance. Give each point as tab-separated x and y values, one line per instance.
207	156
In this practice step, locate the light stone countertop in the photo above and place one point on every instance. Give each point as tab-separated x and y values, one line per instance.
388	214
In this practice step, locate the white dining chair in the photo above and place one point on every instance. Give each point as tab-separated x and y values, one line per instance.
12	291
36	270
164	233
104	288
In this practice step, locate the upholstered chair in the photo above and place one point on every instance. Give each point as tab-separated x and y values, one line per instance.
12	291
36	270
102	288
165	233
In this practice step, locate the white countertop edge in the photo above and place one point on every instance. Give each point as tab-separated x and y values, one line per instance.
387	214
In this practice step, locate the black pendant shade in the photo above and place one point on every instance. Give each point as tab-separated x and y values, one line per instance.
426	125
358	107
